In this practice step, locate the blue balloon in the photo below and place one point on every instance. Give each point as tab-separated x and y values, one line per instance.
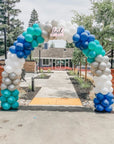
12	49
85	44
109	96
88	32
91	38
19	47
84	36
25	57
108	109
15	105
21	39
27	45
99	108
96	101
15	42
76	37
111	101
32	48
27	52
20	54
80	30
3	99
6	106
99	96
15	93
78	44
105	103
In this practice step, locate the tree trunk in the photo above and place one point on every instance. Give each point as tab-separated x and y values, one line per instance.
80	68
85	69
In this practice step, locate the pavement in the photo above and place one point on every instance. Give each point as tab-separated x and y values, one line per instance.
57	90
47	127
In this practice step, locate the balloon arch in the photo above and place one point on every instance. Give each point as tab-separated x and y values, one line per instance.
37	34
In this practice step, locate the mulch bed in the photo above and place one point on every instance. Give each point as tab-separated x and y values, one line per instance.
83	93
38	77
28	94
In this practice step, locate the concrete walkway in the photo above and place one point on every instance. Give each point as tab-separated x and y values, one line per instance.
56	87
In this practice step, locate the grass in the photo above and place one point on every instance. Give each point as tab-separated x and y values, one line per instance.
82	82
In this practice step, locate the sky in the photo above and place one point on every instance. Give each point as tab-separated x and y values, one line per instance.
52	9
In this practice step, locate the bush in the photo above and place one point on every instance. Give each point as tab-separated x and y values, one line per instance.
72	73
49	70
41	70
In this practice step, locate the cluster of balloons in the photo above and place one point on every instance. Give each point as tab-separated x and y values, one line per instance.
9	99
16	56
68	27
104	102
100	68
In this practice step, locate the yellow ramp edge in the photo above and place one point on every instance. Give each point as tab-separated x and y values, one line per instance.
56	101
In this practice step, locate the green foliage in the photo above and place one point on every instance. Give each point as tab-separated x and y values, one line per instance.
42	75
49	70
34	18
70	45
82	82
41	70
100	22
8	20
72	73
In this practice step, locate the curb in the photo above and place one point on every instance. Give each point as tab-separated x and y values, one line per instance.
56	108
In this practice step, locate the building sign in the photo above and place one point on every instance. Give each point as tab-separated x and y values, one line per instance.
57	32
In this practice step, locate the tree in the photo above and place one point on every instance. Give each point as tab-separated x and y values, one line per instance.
77	58
70	45
34	18
8	20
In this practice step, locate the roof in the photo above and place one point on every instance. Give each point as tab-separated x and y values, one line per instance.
54	53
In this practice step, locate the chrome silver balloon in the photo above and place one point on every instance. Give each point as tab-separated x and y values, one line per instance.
4	74
3	86
16	82
12	76
11	87
7	81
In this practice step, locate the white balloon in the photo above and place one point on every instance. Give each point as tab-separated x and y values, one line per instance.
106	59
99	58
111	90
104	91
109	77
102	66
8	69
108	65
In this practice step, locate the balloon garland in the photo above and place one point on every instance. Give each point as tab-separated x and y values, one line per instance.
100	68
37	34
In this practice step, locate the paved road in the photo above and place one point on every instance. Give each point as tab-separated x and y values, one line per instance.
45	127
58	85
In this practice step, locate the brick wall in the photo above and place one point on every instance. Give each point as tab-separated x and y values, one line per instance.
30	66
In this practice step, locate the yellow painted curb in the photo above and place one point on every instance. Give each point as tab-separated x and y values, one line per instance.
56	101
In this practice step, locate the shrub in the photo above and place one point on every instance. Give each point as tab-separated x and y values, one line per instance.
41	70
49	70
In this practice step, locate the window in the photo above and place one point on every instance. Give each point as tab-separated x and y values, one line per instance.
45	61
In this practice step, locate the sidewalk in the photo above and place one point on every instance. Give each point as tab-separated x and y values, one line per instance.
57	90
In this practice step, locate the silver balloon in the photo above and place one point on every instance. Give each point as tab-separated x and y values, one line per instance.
7	81
98	73
4	74
16	82
102	66
11	87
95	64
44	34
3	80
12	76
3	86
107	71
108	65
99	58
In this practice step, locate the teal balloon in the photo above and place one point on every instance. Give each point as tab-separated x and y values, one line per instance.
92	45
11	100
24	33
35	25
92	54
28	37
16	97
34	43
7	93
15	93
103	52
86	52
97	42
3	99
6	106
90	60
40	39
30	30
98	49
37	31
15	105
2	92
